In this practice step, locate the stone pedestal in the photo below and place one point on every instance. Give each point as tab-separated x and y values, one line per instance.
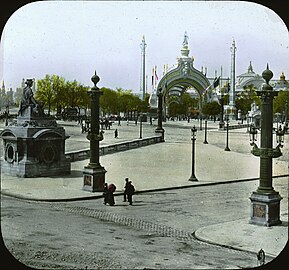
162	132
93	178
230	112
265	209
34	146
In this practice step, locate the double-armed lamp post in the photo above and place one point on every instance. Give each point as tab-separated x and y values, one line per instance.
265	201
94	173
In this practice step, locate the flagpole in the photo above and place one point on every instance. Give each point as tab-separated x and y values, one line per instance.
221	78
153	76
146	84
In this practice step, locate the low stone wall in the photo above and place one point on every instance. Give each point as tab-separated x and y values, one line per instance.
113	148
236	126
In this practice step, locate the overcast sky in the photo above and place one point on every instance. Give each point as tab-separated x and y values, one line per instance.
72	39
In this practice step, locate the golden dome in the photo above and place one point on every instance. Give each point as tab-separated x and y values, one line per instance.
282	77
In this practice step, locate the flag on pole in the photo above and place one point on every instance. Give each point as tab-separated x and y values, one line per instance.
215	84
156	75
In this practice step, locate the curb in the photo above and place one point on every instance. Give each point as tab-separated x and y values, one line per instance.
196	235
22	197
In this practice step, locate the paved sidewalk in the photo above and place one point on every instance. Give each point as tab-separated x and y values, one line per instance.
241	235
142	166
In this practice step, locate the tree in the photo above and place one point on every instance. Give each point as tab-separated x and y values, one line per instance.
58	90
127	101
108	101
280	101
57	93
211	108
81	97
188	102
246	98
44	92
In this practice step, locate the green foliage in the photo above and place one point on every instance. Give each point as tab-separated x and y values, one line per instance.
181	105
280	101
108	101
246	98
127	101
55	92
45	92
211	108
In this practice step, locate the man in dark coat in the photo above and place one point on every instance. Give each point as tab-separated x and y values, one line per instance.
125	187
130	191
110	196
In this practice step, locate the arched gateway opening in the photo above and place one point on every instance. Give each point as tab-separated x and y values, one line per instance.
177	81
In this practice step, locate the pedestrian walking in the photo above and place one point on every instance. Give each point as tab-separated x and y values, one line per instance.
116	133
105	194
111	189
130	191
125	189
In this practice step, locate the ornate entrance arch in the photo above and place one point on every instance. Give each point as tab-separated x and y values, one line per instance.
179	79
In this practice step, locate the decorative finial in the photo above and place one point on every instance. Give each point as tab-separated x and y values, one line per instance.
267	74
185	49
250	68
186	37
95	79
233	48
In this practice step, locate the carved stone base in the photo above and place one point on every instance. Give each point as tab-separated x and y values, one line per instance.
231	112
162	132
265	209
93	179
31	168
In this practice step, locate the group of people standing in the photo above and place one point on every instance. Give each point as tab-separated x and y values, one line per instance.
110	189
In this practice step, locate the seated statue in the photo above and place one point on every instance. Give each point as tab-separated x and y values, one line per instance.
28	100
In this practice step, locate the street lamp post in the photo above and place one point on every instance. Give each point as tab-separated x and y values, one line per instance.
193	138
206	128
221	123
159	128
140	126
227	131
265	201
94	173
286	116
201	124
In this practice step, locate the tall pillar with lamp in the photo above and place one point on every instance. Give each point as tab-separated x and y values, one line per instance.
265	201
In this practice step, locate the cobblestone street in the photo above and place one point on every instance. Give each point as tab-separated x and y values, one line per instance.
144	135
77	235
161	229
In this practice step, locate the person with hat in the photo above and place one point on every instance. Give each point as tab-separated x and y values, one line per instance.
110	197
129	192
125	189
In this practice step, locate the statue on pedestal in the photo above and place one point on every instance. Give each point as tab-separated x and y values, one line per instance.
33	144
28	100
